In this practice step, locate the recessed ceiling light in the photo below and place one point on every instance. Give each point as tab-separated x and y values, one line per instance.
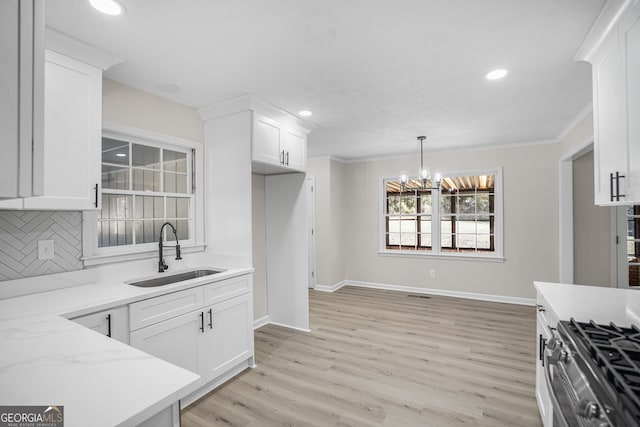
305	113
108	7
496	74
121	155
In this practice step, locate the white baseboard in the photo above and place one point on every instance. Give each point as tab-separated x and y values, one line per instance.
258	323
330	288
416	290
264	320
290	327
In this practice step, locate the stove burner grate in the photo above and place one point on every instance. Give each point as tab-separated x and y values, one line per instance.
616	352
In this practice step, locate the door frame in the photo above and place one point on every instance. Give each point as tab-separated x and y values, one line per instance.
310	189
565	204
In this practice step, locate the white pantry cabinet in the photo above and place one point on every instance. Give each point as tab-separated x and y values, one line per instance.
113	323
616	111
21	81
275	144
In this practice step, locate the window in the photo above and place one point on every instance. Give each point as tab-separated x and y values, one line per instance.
460	218
147	180
143	186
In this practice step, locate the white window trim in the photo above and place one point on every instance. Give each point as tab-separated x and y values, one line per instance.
435	252
92	255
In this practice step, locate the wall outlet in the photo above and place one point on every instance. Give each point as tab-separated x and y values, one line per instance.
46	249
432	273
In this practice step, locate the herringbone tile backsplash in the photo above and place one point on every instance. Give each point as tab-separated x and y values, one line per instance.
20	232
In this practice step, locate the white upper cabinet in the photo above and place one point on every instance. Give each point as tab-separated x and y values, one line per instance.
266	140
274	144
21	80
70	174
614	53
294	146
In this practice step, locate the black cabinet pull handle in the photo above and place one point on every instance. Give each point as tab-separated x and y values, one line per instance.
287	158
109	325
210	318
540	307
202	322
611	186
96	190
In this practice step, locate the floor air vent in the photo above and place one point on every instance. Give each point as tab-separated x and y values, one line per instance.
418	296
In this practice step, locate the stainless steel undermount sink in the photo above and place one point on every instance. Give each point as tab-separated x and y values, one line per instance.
173	278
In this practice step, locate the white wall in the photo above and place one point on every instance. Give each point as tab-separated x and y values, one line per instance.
260	307
530	224
591	228
132	107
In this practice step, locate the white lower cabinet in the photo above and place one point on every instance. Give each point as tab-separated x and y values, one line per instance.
211	341
113	323
175	340
546	322
228	336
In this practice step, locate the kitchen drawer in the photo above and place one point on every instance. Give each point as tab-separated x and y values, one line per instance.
225	289
154	310
113	323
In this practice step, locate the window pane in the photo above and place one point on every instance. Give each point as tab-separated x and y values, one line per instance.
146	180
425	203
115	177
182	229
114	233
177	207
445	240
149	207
408	204
115	152
148	231
394	239
482	203
466	241
425	224
445	203
425	240
394	224
445	225
145	156
175	161
393	204
175	183
466	204
484	241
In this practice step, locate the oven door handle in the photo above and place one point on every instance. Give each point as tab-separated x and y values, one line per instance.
555	403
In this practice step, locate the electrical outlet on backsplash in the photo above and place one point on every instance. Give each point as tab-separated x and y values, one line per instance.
20	232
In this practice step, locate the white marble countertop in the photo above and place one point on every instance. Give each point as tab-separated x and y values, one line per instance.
46	359
584	303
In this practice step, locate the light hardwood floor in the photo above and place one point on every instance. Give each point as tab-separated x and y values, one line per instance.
383	358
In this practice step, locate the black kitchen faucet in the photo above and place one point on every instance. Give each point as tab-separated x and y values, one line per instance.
162	266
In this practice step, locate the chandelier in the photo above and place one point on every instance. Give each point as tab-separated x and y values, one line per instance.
423	174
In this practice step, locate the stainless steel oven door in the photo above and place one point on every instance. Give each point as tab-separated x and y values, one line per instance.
574	403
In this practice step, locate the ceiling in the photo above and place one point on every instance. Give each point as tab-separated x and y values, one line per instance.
375	73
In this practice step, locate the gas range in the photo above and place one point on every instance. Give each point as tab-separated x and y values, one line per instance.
593	374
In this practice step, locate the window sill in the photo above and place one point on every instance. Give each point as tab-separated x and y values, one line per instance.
130	256
449	256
